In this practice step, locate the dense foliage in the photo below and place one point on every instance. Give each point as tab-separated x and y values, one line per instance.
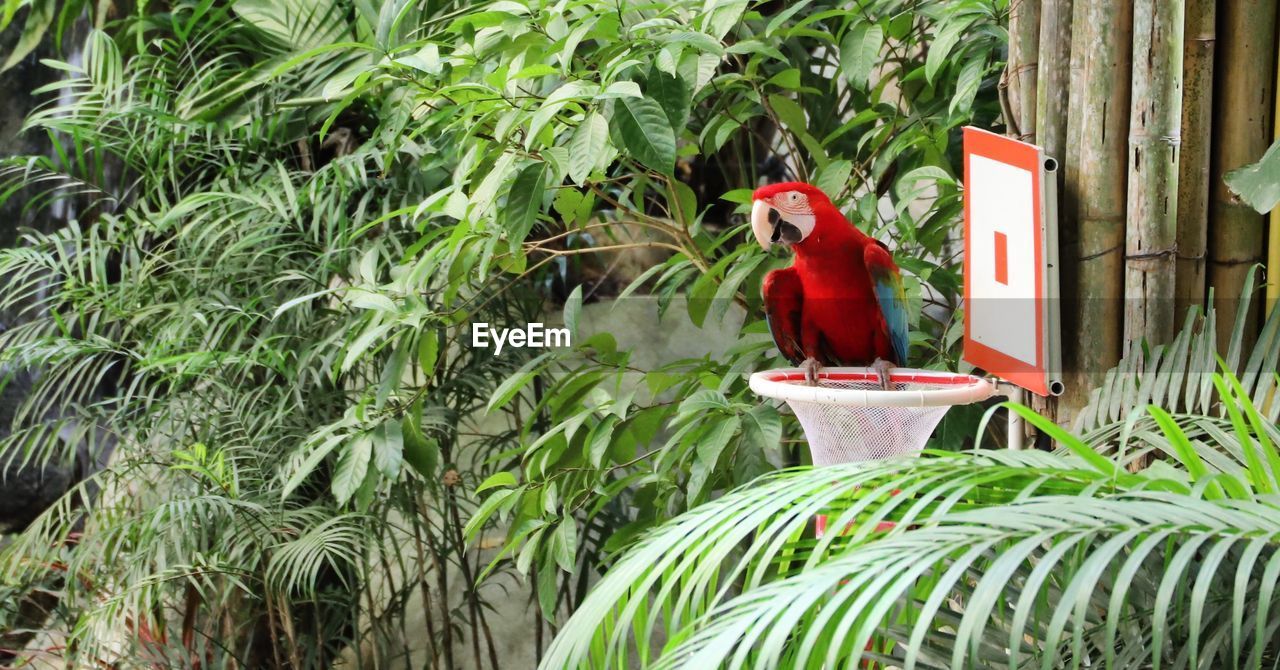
283	217
1151	544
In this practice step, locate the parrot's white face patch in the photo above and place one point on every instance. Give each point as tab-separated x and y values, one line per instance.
793	207
796	219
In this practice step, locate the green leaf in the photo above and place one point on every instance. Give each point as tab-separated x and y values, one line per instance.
700	41
569	91
720	17
566	544
420	451
388	448
353	464
39	17
641	127
482	514
1258	184
967	85
620	89
508	389
673	95
788	79
711	443
948	36
524	201
789	112
587	146
833	178
859	53
566	203
599	440
572	309
428	352
502	479
548	589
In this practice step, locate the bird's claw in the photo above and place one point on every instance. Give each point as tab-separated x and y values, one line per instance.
883	369
811	368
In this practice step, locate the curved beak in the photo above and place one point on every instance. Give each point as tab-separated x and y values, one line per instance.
760	224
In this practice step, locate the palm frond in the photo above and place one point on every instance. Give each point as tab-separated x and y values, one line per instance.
1179	375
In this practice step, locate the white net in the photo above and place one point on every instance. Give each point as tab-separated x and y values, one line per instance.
848	433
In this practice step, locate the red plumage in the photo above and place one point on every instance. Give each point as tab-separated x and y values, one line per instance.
825	305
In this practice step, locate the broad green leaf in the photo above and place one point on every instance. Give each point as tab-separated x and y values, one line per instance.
524	201
508	389
718	18
420	451
859	53
789	112
572	309
711	443
483	513
569	91
393	371
353	465
620	89
1258	184
388	448
566	204
428	352
548	589
496	480
673	94
948	36
788	79
586	147
39	17
833	178
700	41
967	85
640	126
566	545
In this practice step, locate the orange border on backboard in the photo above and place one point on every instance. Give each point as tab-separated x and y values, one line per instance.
1034	378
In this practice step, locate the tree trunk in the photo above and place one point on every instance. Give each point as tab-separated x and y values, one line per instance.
1094	230
1241	135
1155	121
1193	169
1022	70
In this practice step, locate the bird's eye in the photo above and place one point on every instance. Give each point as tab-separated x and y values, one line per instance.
795	197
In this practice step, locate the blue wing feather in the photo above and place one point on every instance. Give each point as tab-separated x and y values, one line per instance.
891	296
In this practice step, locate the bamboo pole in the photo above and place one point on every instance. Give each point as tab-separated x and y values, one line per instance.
1155	124
1022	68
1273	228
1193	170
1053	76
1096	164
1242	132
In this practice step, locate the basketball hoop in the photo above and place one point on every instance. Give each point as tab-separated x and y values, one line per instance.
847	417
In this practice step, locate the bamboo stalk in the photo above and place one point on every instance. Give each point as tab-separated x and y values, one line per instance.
1273	222
1242	133
1193	170
1095	180
1155	124
1022	69
1053	76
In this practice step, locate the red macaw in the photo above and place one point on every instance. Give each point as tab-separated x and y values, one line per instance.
841	302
